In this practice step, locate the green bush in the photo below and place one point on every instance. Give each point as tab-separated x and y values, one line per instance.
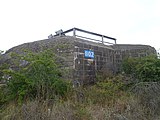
106	91
129	65
40	79
146	69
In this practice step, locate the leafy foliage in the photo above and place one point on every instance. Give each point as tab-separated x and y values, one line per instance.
106	91
146	69
39	77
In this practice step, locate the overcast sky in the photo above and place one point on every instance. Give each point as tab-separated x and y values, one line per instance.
129	21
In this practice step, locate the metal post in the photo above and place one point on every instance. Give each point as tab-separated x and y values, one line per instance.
102	40
74	32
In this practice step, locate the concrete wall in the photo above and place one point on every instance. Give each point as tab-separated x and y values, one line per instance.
123	51
83	70
107	58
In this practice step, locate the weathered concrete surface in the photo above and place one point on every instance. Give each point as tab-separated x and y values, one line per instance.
85	69
122	51
71	49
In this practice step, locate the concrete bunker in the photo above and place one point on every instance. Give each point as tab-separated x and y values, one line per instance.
85	56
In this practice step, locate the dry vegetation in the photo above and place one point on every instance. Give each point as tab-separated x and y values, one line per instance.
132	96
92	103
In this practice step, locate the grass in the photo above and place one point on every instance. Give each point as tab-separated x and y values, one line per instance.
106	100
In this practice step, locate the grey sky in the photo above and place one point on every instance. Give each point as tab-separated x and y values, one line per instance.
129	21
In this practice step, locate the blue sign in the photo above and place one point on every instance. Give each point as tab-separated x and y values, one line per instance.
89	54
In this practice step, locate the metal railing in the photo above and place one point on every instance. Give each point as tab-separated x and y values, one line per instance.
74	30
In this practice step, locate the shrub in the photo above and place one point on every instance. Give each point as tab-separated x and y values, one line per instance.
106	91
41	78
146	69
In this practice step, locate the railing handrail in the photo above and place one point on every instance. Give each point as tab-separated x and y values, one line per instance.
92	33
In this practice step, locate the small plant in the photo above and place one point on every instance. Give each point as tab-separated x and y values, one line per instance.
146	69
105	91
40	79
